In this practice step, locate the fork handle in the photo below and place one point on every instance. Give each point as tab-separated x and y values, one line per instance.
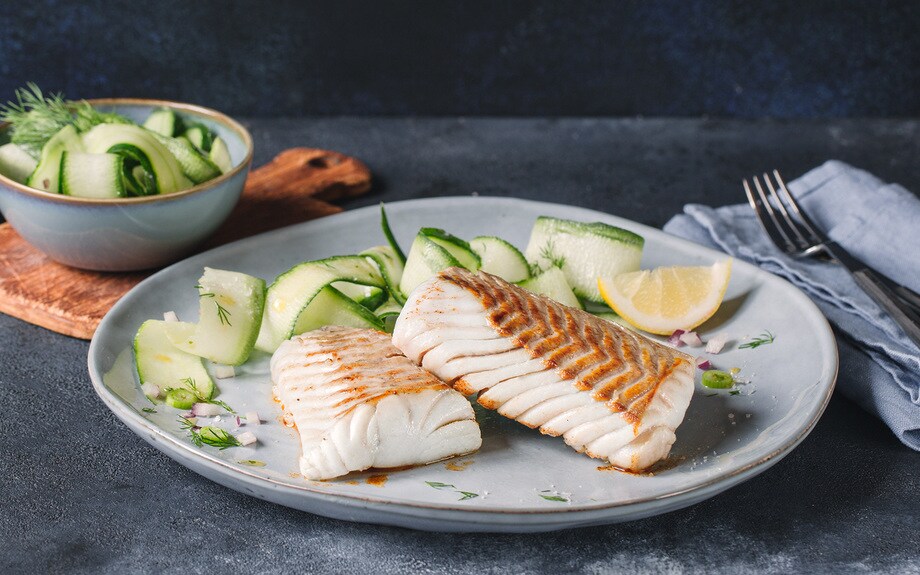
885	297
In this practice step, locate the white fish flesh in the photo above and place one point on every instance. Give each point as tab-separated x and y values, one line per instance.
358	402
609	392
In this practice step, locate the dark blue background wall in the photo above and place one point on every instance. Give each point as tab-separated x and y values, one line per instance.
691	58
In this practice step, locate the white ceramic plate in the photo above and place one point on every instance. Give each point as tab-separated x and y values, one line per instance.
522	480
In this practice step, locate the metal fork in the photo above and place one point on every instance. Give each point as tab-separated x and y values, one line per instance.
793	232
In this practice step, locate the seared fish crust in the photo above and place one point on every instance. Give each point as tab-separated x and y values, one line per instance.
357	403
609	392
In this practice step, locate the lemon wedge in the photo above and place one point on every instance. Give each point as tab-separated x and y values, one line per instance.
667	298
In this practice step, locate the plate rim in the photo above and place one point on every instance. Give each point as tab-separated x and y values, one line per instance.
129	416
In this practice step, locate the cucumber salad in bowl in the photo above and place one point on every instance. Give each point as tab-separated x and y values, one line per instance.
75	149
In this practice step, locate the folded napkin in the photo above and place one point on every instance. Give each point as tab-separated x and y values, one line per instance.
879	224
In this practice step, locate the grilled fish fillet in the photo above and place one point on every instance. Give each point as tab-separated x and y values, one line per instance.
357	403
609	392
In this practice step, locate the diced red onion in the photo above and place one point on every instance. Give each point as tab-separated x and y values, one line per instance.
239	422
252	418
151	390
224	371
189	415
675	338
716	343
703	363
170	316
691	338
206	409
247	438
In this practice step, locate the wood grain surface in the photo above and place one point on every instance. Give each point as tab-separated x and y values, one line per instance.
298	185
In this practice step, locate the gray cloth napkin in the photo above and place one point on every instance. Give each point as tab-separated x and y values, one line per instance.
878	223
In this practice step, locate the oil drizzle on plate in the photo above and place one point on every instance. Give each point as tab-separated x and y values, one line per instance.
458	465
377	480
664	465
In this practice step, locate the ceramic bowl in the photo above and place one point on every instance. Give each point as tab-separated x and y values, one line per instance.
130	233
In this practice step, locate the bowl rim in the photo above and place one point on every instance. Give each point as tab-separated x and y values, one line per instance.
203	111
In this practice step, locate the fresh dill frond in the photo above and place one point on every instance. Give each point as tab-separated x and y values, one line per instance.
187	424
148	410
223	314
222	404
763	339
548	252
554	498
217	437
85	117
193	386
464	495
35	117
208	435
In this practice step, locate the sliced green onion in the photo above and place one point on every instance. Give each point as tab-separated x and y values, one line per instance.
388	234
181	398
717	379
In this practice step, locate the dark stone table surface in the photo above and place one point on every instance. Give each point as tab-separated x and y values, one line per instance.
80	493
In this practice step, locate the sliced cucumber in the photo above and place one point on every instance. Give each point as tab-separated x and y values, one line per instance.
368	296
163	122
181	398
137	172
387	313
390	308
229	316
584	251
200	136
47	174
165	167
388	234
161	363
552	283
426	258
455	247
16	163
390	266
501	258
290	294
92	175
332	307
195	166
220	155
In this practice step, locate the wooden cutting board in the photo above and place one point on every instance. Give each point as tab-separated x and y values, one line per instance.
298	185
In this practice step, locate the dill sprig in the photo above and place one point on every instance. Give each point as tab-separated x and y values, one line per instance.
35	117
223	314
208	435
190	382
548	252
552	496
464	495
763	339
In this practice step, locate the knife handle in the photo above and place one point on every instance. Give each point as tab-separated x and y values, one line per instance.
885	297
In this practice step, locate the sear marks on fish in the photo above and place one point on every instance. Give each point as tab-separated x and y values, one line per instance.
358	402
609	392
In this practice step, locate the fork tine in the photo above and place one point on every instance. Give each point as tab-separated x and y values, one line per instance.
809	225
775	233
803	242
